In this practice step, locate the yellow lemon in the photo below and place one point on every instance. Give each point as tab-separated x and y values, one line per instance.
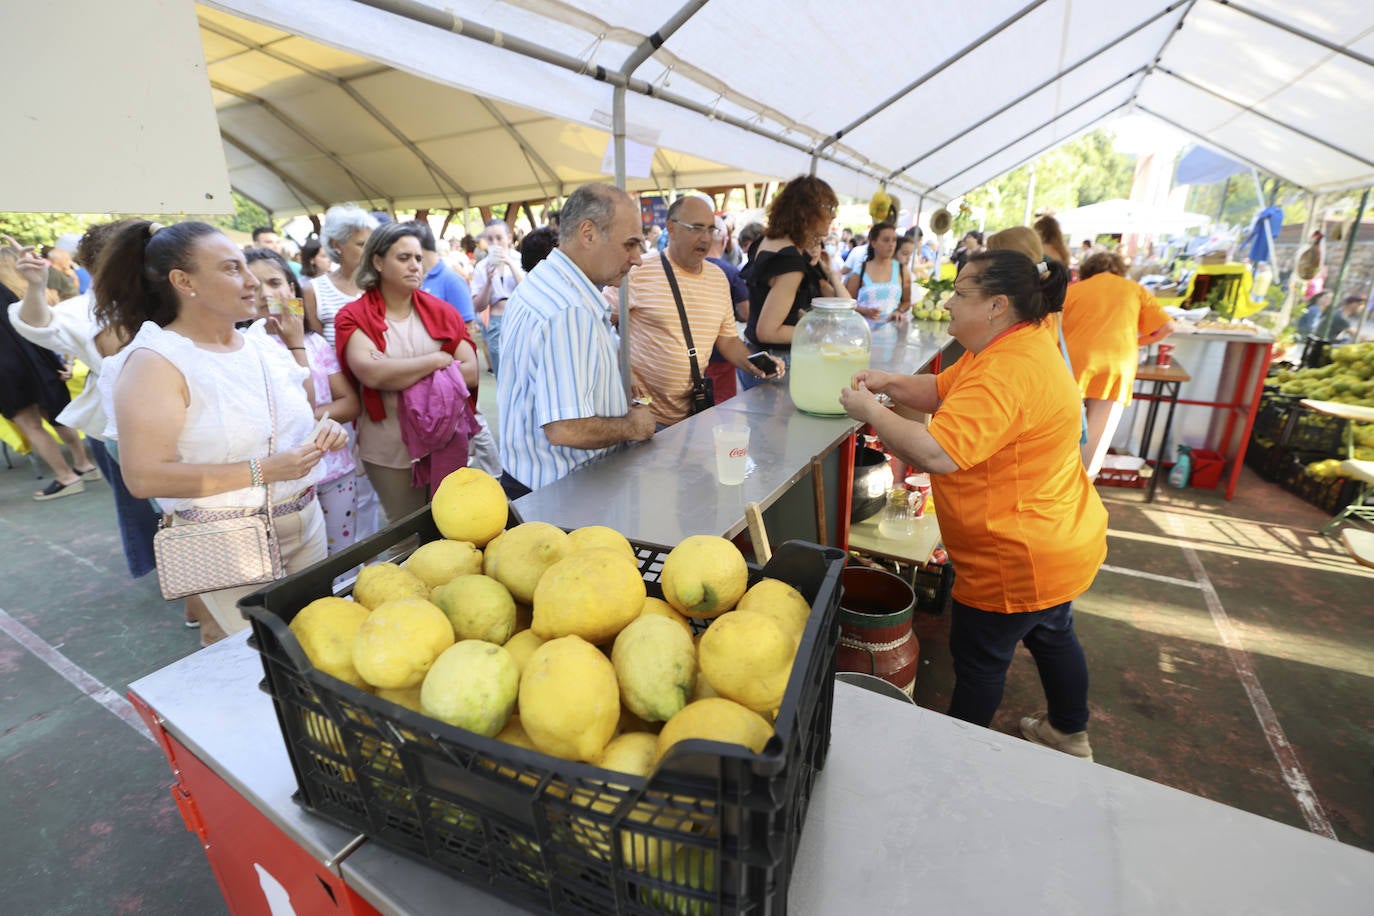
383	582
569	700
441	561
409	697
470	505
655	665
472	685
522	645
592	593
664	609
514	733
780	601
747	657
399	641
525	553
600	536
478	606
715	719
704	576
325	629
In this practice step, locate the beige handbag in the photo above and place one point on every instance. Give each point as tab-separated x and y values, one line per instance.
221	548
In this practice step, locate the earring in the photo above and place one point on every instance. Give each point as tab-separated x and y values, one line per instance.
192	294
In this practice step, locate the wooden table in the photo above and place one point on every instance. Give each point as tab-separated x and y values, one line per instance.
1165	382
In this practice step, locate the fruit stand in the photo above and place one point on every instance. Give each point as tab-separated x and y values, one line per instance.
913	808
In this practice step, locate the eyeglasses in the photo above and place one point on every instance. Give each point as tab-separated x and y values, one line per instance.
698	228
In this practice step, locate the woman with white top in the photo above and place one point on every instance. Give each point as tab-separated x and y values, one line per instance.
344	233
205	416
881	284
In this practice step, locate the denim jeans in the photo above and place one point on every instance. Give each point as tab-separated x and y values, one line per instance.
138	519
493	337
983	642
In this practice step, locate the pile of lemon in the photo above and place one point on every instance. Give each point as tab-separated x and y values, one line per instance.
548	639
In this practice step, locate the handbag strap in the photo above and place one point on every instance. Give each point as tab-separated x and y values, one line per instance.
271	440
682	314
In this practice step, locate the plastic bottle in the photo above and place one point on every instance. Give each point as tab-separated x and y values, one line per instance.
1183	468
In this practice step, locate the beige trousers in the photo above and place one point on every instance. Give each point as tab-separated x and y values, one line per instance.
303	542
398	497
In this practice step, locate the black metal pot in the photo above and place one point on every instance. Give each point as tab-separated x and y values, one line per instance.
872	480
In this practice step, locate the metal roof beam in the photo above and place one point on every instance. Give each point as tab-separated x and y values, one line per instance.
1163	46
451	22
1208	141
1066	112
531	155
369	192
436	171
294	186
1299	33
1259	114
1106	46
929	75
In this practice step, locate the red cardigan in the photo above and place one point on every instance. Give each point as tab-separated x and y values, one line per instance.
368	314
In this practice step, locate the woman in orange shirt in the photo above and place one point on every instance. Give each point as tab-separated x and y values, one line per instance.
1024	527
1107	319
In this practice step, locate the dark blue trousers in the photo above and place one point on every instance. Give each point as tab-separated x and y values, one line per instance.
137	517
983	643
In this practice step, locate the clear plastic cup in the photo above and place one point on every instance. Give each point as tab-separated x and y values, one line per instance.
732	452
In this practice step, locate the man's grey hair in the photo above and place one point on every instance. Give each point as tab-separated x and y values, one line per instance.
596	202
341	222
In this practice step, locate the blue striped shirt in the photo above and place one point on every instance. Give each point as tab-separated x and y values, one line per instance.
559	361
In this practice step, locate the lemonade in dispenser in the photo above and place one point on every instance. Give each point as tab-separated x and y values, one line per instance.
831	343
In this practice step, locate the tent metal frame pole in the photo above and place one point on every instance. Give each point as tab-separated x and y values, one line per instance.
1047	83
435	170
1345	262
449	22
1299	33
1294	281
1066	112
296	187
1163	46
1264	224
1207	141
519	138
1249	109
365	187
929	75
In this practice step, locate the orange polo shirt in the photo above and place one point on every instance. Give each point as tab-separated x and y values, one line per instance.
1104	316
1023	525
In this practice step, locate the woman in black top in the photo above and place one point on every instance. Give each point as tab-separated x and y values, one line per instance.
787	267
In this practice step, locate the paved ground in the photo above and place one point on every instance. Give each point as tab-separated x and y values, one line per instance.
1231	649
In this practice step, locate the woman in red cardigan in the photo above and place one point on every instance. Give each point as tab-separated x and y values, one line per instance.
388	340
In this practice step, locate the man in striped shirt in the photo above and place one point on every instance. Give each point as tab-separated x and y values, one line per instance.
658	348
561	396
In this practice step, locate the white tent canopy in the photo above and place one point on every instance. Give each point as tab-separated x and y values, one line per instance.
443	103
1125	217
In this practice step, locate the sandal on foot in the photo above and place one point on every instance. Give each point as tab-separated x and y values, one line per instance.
91	473
57	490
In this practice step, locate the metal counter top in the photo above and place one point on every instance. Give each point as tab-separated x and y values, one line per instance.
664	490
912	808
210	702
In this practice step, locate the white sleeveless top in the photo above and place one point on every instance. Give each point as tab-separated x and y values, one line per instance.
227	418
328	302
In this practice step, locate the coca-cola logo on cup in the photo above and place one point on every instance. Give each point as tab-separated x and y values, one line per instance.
739	452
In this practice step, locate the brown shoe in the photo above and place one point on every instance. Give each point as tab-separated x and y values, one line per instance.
1038	730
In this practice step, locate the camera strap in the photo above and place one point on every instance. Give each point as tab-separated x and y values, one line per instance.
682	313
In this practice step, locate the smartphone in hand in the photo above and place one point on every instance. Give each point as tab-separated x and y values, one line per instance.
764	363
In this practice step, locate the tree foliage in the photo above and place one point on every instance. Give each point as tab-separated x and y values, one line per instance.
1081	172
1235	202
45	228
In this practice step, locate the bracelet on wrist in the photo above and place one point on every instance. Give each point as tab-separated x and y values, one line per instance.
255	471
302	349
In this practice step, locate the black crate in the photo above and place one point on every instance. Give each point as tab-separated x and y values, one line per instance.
545	833
1330	494
1317	433
933	584
1271	419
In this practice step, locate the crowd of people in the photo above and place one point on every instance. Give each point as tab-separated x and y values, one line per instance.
336	388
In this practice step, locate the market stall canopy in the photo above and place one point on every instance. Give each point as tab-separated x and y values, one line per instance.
1199	165
938	104
408	101
1110	217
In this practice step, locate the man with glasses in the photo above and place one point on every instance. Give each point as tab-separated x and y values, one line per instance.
493	281
659	360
